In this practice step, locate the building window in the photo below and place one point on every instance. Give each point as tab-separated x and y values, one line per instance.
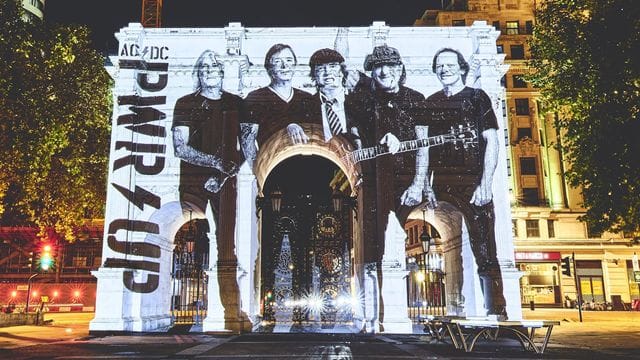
528	27
517	52
500	49
503	81
551	228
512	28
528	166
496	24
533	228
530	196
514	227
518	81
522	106
523	133
458	23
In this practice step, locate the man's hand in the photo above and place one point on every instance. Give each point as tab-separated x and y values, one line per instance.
228	167
391	141
430	197
412	196
213	184
482	195
296	134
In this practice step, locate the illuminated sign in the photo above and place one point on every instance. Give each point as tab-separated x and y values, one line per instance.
538	256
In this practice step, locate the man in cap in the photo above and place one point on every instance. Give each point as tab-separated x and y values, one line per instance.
388	112
329	73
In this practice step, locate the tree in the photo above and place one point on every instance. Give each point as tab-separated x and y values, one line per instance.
55	106
586	66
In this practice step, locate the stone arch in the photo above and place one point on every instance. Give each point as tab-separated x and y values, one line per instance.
463	290
279	148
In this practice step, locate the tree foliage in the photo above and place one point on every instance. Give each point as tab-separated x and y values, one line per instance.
586	65
55	106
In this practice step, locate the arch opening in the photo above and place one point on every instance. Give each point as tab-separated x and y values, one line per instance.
307	227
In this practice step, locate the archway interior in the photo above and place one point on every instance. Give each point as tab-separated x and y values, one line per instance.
306	243
188	280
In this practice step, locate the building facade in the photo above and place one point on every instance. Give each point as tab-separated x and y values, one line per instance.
544	208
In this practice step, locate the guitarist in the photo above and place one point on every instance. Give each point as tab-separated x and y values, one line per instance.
464	176
387	112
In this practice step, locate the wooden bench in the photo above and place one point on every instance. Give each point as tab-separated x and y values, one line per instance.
465	332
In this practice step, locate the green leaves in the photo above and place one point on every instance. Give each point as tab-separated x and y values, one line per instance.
584	55
55	106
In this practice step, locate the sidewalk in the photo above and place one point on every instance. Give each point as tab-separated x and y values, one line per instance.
598	329
615	334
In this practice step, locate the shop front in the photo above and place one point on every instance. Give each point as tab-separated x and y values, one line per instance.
540	281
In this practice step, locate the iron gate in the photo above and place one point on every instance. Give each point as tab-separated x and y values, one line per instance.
189	282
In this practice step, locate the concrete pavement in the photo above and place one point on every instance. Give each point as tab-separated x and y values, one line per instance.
608	334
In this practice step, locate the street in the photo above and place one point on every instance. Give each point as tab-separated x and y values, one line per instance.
602	334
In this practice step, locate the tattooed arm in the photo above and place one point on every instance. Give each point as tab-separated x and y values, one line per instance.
187	153
248	135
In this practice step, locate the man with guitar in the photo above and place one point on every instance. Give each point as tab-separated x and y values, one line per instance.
388	111
464	175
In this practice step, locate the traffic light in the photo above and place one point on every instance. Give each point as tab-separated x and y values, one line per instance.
30	260
46	258
566	265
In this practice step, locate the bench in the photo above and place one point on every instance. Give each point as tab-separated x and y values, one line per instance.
434	326
465	332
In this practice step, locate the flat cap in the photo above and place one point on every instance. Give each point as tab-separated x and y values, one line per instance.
381	55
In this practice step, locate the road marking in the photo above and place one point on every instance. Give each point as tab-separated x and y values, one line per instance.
203	348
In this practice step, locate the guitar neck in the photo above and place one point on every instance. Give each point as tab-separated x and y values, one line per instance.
408	145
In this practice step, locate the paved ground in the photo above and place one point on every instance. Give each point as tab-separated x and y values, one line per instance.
602	335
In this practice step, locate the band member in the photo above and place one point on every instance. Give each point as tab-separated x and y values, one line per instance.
464	176
389	111
276	106
329	74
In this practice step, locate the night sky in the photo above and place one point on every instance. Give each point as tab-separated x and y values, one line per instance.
105	17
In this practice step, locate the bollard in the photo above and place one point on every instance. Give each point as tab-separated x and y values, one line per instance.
532	305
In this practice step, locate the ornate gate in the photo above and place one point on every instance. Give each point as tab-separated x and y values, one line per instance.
189	281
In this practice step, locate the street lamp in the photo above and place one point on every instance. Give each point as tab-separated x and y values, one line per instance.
425	240
26	311
336	200
276	200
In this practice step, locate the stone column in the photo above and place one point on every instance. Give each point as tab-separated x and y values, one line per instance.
489	69
247	244
215	310
394	285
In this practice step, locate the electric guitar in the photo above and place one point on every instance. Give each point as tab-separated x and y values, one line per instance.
462	136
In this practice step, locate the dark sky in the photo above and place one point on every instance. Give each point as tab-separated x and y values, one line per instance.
106	17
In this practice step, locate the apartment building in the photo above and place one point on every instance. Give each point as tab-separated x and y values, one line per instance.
545	209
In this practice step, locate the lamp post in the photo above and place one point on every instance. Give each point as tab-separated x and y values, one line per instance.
425	240
26	310
276	200
336	200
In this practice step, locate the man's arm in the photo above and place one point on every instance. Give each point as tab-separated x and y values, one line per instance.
248	136
483	194
296	134
195	157
420	185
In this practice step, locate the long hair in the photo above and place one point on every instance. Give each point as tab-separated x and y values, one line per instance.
197	85
464	65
